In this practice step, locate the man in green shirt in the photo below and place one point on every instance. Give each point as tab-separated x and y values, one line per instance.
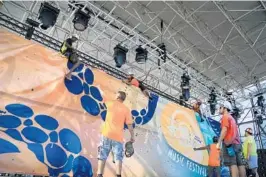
250	151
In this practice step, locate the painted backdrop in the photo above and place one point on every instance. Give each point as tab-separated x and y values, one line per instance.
50	126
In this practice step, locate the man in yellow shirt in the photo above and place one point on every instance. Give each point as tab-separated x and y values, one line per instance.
250	151
112	133
68	50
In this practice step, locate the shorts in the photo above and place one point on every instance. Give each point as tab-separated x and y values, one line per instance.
216	170
253	162
238	159
106	145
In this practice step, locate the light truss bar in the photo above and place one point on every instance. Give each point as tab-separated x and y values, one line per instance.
94	29
157	56
195	74
48	41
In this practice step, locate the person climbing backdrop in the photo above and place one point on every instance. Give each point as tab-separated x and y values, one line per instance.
67	50
112	133
131	80
196	108
214	158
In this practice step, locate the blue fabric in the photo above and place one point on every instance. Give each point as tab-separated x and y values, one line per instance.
186	94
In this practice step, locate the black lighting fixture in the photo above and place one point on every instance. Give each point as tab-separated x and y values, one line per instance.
258	116
81	19
141	55
185	86
235	112
161	53
212	101
47	15
30	30
260	101
120	55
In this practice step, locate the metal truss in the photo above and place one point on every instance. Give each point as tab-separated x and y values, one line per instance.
174	60
50	42
219	46
107	29
238	28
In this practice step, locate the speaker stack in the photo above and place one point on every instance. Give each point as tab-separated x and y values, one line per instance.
262	162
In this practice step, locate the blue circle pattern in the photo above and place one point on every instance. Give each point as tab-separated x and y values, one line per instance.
19	110
28	122
53	159
9	121
70	141
35	134
92	101
58	160
90	105
34	137
53	137
46	122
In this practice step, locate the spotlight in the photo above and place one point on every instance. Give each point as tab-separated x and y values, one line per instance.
47	15
81	20
212	101
185	86
120	55
141	55
260	101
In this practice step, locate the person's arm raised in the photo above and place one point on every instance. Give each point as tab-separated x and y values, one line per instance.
201	148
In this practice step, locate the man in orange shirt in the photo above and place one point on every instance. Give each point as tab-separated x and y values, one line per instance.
112	133
131	80
214	158
232	149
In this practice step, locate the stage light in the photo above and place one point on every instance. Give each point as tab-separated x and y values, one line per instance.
47	15
260	101
81	20
120	55
185	86
212	101
141	55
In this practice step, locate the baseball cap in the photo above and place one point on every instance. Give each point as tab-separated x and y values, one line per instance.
130	73
227	105
249	130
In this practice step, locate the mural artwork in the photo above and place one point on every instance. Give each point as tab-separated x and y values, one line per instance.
51	126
